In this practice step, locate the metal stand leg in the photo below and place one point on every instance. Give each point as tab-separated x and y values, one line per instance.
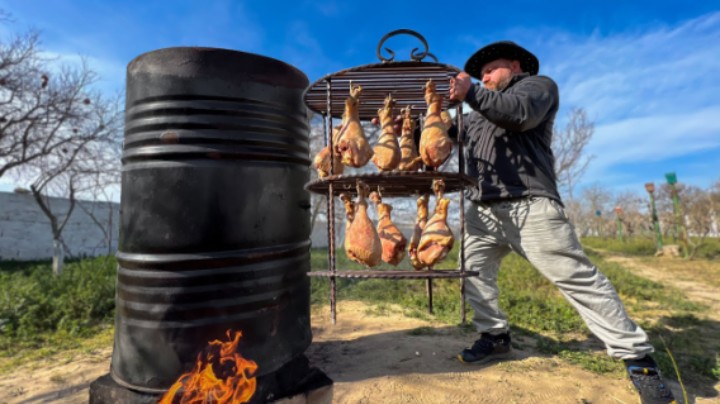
333	297
429	290
462	301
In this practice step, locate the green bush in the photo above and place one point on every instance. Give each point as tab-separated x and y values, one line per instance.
34	303
709	248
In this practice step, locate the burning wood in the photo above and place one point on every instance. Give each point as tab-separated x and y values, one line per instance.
220	376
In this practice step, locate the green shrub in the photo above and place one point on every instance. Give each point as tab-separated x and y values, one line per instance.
709	248
34	303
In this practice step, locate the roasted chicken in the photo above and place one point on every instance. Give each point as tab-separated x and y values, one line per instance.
435	144
409	160
322	159
420	222
392	239
437	239
362	243
387	150
352	145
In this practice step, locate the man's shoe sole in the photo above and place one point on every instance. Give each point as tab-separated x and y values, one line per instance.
489	359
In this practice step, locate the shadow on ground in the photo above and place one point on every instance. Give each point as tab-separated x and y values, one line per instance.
429	350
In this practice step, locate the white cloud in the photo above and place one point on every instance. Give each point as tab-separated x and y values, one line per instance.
656	137
659	71
652	95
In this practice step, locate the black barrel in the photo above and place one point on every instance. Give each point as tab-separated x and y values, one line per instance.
215	229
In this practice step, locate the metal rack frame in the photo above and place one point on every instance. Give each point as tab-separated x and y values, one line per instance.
404	80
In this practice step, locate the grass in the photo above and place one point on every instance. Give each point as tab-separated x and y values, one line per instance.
637	246
42	315
707	249
537	310
46	313
62	348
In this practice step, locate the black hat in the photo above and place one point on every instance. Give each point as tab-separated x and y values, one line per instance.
502	50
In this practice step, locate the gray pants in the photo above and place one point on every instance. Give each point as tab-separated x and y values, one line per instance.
538	229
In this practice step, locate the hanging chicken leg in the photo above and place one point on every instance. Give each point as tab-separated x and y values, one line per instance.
392	239
437	239
387	150
435	144
352	144
322	159
410	160
362	243
420	222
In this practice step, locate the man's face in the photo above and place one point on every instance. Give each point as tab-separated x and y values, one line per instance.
497	74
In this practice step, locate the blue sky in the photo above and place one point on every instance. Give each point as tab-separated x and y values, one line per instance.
646	72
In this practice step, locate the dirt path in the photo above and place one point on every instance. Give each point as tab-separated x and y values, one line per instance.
393	359
692	277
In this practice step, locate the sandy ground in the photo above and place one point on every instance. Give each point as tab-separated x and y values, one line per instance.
383	359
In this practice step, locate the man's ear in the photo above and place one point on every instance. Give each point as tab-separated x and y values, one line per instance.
515	66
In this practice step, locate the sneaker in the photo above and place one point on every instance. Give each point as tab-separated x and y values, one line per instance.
487	349
646	377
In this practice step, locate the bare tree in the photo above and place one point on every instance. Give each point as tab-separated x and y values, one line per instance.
698	209
40	109
88	159
597	202
634	218
101	199
55	133
714	192
568	148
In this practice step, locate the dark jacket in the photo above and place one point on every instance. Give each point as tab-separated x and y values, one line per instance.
507	139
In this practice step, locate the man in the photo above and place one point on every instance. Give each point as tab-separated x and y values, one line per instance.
516	207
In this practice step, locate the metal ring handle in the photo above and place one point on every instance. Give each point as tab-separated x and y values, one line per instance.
413	55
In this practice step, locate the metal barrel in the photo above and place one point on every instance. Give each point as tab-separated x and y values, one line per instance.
215	229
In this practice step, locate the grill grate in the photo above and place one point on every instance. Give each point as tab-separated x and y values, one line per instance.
405	79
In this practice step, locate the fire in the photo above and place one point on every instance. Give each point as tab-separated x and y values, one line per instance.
220	376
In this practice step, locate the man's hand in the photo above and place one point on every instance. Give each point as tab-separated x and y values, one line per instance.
459	86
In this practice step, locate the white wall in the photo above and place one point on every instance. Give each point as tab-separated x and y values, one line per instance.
25	232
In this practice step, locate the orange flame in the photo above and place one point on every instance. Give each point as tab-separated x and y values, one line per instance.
222	376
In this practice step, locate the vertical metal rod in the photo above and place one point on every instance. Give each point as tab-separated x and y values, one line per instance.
461	170
429	290
428	282
331	211
421	124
